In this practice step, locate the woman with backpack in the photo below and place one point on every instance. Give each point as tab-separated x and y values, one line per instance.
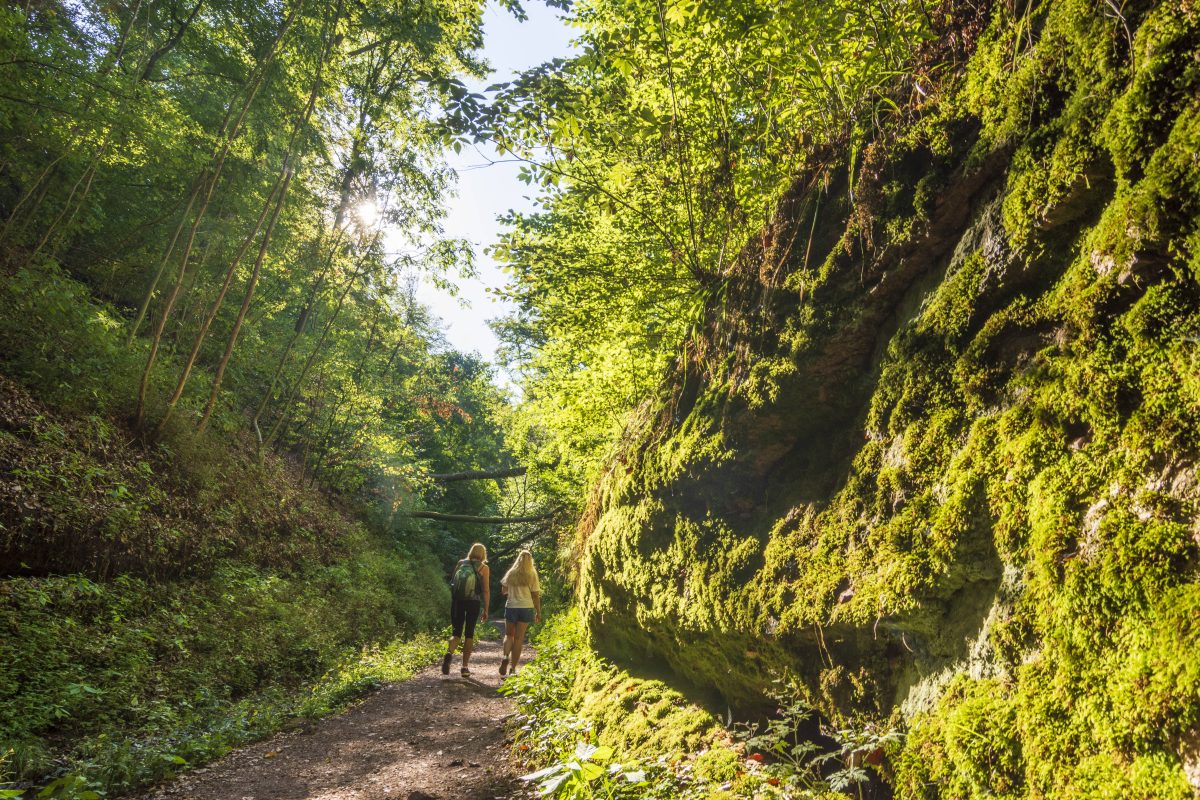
469	598
524	607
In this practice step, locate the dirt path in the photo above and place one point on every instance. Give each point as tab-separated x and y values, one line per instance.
408	741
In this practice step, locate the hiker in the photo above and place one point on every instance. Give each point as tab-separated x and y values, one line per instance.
524	606
469	598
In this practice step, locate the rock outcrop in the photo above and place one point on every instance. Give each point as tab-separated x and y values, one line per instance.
934	451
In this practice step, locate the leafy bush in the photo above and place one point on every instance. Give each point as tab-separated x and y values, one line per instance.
573	725
126	681
843	763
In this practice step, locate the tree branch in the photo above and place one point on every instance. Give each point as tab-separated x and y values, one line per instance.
436	515
478	474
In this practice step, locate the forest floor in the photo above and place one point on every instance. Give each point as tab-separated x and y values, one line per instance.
432	737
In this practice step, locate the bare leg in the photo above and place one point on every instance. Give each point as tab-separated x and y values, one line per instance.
508	640
509	630
518	640
468	647
450	648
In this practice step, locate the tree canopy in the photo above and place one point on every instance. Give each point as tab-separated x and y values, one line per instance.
659	151
250	192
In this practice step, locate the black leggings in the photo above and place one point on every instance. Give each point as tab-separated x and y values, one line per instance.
464	612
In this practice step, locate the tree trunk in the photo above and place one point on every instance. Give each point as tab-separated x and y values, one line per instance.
251	285
170	43
202	333
214	176
439	517
197	186
312	357
313	293
264	245
289	170
478	474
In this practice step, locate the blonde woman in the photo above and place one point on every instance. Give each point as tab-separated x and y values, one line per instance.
524	606
469	599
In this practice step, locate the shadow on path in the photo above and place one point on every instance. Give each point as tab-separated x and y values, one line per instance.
433	737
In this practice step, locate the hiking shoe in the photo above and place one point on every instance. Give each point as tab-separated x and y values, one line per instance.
504	666
446	664
466	673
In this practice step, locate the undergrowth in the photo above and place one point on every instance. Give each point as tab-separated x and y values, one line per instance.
127	683
162	602
592	730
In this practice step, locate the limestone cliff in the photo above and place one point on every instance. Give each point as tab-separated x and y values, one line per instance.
934	449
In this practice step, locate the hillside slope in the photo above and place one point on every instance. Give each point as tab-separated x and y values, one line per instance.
934	450
161	605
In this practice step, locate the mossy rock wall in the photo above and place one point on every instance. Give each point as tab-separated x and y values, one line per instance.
935	450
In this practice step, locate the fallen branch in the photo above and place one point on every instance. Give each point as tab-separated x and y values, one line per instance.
440	517
478	474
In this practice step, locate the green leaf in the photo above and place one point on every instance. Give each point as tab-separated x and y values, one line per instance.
551	786
543	773
590	772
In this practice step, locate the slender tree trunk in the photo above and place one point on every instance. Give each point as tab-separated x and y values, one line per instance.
202	333
361	367
289	171
214	174
345	185
312	357
251	285
313	404
318	284
196	305
197	186
37	184
123	41
326	440
85	178
170	43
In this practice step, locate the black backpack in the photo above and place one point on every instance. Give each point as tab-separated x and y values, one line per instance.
466	583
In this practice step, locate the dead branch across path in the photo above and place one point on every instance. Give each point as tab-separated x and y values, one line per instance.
440	517
478	474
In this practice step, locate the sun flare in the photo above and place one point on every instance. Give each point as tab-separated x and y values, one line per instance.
367	213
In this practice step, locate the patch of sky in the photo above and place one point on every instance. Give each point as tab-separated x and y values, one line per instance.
487	182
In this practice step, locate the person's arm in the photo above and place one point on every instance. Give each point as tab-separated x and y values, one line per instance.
485	575
537	606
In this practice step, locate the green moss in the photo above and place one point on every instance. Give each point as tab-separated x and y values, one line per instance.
718	765
1003	519
969	748
1109	777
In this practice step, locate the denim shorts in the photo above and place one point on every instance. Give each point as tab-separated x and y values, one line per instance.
519	615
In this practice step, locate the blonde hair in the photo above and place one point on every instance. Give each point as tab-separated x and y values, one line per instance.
477	553
522	572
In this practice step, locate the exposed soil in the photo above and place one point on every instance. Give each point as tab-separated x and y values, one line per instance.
433	737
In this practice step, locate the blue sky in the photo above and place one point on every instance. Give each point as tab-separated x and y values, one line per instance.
484	191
